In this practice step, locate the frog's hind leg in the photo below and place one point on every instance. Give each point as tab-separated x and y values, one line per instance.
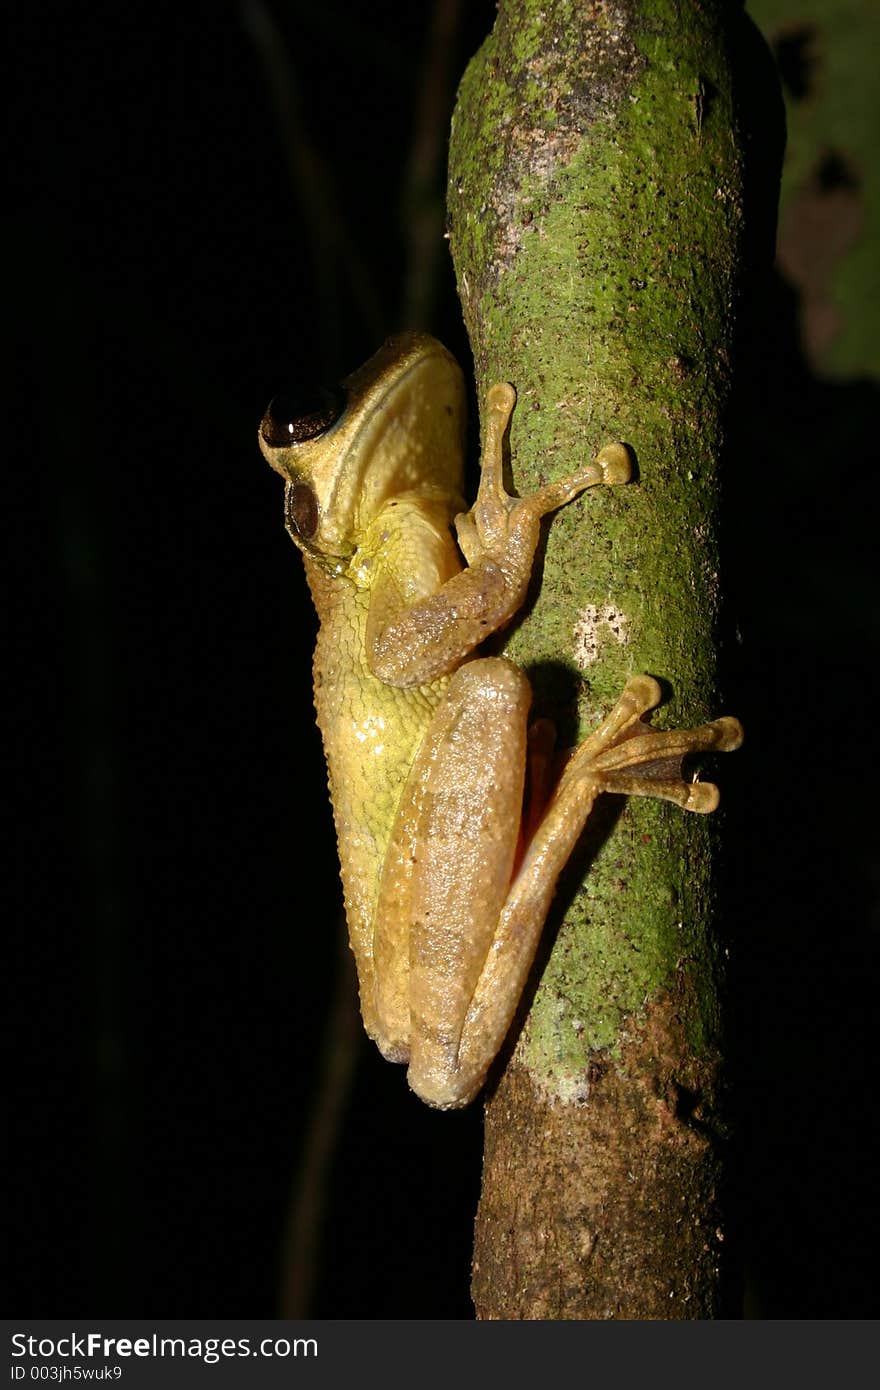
624	756
448	869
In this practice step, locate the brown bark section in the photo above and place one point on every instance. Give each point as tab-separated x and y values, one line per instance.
615	1205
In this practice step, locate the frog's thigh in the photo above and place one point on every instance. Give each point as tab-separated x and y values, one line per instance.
450	863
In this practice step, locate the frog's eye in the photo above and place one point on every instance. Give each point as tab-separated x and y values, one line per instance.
295	417
300	510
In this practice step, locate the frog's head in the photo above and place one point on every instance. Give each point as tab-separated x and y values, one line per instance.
394	426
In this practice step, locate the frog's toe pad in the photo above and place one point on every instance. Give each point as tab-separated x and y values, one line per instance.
615	463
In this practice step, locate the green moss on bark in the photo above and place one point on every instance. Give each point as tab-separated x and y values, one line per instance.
595	206
595	209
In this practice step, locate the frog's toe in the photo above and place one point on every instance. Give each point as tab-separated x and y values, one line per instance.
615	463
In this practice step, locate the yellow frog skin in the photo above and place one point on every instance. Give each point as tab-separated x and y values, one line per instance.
427	743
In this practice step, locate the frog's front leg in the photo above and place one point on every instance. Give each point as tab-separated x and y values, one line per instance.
462	902
412	643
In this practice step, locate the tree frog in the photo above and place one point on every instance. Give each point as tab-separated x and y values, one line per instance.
447	882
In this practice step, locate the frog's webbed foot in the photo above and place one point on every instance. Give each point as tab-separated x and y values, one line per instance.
497	521
624	755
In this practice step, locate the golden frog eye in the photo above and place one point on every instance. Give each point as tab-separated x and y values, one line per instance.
300	510
296	416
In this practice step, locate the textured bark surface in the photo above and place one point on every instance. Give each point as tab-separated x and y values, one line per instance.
595	210
615	1213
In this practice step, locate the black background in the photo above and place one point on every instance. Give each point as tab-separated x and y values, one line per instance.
172	867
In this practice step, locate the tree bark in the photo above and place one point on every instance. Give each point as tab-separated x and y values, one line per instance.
596	212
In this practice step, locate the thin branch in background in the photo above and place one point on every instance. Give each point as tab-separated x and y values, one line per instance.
332	255
339	1050
332	251
422	203
333	260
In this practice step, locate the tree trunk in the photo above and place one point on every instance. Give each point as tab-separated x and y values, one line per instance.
595	211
